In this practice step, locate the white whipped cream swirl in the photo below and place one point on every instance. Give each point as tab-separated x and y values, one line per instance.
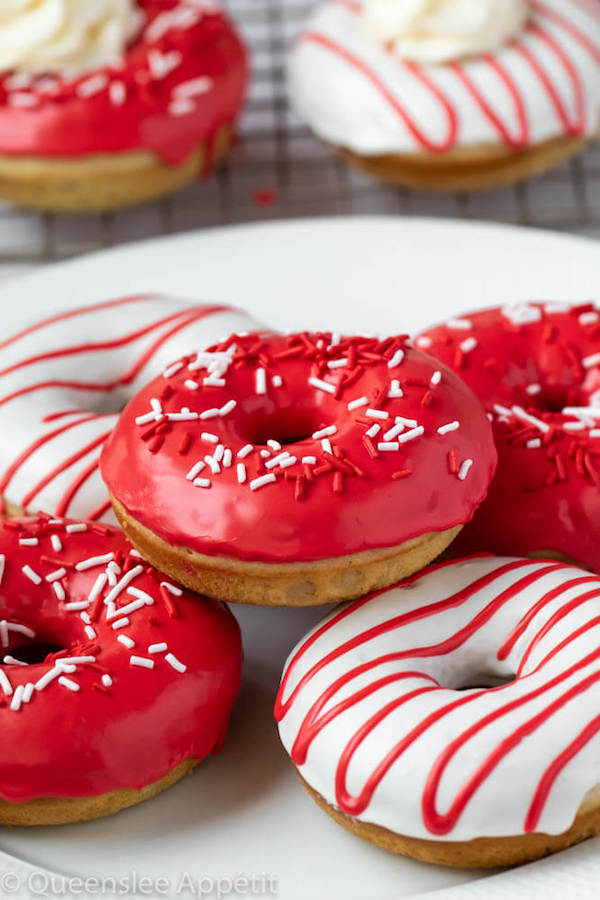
65	36
436	31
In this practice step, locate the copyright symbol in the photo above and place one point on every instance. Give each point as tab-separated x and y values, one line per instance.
9	883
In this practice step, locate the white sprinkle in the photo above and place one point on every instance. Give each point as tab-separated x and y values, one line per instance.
196	468
261	381
2	566
595	433
590	361
520	413
120	623
28	692
446	429
191	385
396	359
213	381
326	445
48	676
99	585
172	588
211	438
76	528
377	414
522	314
11	661
411	435
337	363
468	345
5	684
117	93
324	432
210	413
141	661
76	606
388	445
424	341
56	543
202	482
23	100
33	576
173	370
274	445
276	459
533	444
228	407
464	469
107	680
173	661
15	703
459	324
373	431
574	426
588	318
194	87
277	381
68	683
227	458
241	473
395	392
94	561
533	389
124	582
393	432
435	378
54	576
68	661
28	542
356	404
90	633
59	590
126	641
309	460
592	412
135	553
213	465
158	648
501	410
145	419
257	483
243	453
219	452
184	416
85	618
92	86
322	385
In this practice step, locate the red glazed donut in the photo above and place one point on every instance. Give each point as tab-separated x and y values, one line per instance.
129	681
536	367
298	469
174	97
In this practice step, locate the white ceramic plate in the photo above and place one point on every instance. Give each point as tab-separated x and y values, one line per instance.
244	812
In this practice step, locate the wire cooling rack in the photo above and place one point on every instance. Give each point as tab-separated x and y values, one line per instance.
279	170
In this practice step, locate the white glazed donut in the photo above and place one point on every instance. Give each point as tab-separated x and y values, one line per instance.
356	94
387	712
64	380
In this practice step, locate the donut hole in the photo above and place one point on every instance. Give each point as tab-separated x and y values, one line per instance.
484	681
287	427
30	653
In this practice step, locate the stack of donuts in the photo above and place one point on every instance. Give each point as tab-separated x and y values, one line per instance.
448	707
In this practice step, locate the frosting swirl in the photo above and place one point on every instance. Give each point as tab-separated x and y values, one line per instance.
66	36
436	31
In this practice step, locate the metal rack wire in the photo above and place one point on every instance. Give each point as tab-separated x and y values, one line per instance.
279	170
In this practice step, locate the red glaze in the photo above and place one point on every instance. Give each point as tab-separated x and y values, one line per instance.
353	495
69	742
545	494
156	100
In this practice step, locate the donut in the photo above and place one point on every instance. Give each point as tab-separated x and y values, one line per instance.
300	469
114	683
63	381
454	718
114	104
424	95
536	368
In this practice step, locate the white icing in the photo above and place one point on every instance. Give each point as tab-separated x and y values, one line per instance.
22	418
346	108
500	804
65	36
434	31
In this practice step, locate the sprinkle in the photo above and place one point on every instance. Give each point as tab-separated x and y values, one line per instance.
120	623
356	404
5	684
533	389
468	345
46	678
196	468
202	482
59	590
33	576
261	381
377	414
54	576
373	431
94	561
396	359
158	648
520	413
28	692
16	701
388	445
76	528
588	318
213	381
107	680
276	460
90	632
326	445
124	582
211	438
28	542
424	341
76	606
177	664
522	314
435	378
191	385
459	324
243	453
274	445
533	444
324	432
85	618
214	466
395	392
257	483
92	86
219	453
337	363
172	588
446	429
411	435
321	385
393	432
173	370
68	683
590	361
126	641
309	460
99	585
595	433
287	462
464	469
277	381
11	661
141	661
56	543
210	413
117	93
228	407
241	473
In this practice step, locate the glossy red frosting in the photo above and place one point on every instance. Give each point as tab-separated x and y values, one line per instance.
537	360
114	723
176	87
335	493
